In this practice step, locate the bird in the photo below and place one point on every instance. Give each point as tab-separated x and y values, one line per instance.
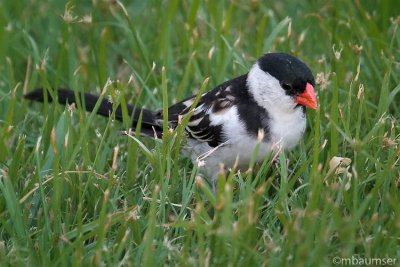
264	108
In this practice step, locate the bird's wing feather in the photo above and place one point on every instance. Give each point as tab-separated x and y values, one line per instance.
200	126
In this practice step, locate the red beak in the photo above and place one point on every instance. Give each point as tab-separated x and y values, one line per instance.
308	97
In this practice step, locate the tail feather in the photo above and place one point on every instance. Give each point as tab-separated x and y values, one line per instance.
65	96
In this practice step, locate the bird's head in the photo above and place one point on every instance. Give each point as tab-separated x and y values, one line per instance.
281	81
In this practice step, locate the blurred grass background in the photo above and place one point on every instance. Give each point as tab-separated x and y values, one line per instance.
75	192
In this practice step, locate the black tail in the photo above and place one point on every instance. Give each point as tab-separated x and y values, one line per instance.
64	96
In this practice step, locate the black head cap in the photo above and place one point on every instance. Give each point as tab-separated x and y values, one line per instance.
292	73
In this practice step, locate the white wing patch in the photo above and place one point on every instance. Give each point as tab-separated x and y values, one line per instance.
188	102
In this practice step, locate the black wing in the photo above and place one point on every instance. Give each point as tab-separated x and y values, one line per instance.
200	126
216	101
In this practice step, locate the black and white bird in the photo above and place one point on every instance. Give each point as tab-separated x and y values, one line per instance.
228	121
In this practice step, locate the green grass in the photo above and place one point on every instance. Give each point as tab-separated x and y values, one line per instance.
75	192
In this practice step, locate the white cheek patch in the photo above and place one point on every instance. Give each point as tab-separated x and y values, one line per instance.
267	91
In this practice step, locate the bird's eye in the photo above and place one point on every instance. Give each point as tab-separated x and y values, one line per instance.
286	86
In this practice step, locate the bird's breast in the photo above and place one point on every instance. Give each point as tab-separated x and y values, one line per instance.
287	129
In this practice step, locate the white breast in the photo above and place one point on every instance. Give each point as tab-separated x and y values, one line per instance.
288	128
239	145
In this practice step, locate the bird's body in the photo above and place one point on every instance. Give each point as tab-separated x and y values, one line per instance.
264	107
